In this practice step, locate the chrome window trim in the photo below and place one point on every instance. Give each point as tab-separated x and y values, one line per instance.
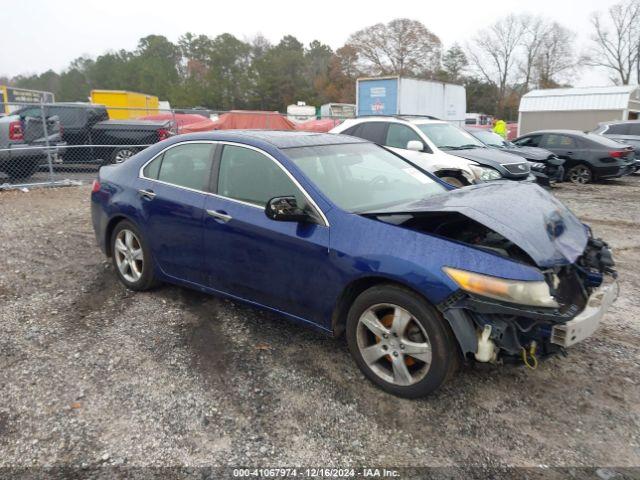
235	144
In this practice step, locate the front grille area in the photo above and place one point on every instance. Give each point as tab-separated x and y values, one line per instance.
518	168
570	291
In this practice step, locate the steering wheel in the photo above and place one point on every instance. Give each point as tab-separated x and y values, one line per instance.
379	180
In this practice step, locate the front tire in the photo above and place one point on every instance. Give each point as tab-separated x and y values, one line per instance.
400	342
132	257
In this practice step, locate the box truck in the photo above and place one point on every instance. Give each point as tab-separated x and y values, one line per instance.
338	110
409	96
122	104
13	98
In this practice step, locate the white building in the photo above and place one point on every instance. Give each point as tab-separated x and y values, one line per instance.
577	108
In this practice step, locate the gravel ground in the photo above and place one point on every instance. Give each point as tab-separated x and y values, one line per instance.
73	171
92	374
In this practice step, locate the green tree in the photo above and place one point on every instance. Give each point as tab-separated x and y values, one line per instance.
454	62
281	79
155	66
229	63
318	59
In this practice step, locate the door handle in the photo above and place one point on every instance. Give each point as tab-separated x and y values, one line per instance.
219	215
569	153
147	194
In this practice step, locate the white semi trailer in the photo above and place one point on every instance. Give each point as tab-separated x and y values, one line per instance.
409	96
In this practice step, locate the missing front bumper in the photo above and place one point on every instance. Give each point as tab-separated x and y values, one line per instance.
586	323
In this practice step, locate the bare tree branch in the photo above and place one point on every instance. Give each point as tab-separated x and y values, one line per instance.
401	47
616	41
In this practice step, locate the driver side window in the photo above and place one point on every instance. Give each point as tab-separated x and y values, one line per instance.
250	176
530	141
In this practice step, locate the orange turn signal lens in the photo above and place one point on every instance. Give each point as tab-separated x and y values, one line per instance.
534	293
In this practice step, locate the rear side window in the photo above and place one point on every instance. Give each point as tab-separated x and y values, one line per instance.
634	129
351	131
553	140
399	135
31	112
186	165
152	169
252	177
373	131
618	129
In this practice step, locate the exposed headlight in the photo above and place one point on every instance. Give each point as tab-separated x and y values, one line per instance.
513	291
537	166
485	174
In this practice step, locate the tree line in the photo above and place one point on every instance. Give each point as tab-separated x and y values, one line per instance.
497	66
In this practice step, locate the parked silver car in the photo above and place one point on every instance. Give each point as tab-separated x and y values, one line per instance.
23	144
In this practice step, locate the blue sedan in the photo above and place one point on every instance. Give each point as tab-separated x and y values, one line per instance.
345	236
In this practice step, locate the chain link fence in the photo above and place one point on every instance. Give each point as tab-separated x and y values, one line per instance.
56	144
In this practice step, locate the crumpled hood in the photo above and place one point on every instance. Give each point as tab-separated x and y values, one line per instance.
530	153
525	214
487	156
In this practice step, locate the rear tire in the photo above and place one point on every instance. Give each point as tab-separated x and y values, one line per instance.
21	169
121	155
132	258
412	352
579	174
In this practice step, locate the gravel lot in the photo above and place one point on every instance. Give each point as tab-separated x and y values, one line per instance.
69	171
93	374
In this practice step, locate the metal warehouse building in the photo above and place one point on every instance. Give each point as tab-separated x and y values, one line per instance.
577	108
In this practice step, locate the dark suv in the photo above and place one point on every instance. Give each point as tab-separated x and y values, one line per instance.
587	156
625	132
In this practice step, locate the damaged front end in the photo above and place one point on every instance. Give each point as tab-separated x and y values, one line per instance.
491	329
499	319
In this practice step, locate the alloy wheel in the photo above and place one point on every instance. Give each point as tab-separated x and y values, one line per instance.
580	174
393	344
122	155
129	255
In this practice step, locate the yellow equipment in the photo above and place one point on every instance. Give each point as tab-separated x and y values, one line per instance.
122	105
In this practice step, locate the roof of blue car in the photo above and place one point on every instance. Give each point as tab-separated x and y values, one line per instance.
286	139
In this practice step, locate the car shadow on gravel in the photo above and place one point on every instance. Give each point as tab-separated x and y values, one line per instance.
100	288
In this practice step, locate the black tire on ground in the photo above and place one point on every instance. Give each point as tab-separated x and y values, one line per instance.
21	169
122	154
579	174
148	279
445	354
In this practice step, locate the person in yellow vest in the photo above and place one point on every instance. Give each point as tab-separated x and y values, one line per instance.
500	127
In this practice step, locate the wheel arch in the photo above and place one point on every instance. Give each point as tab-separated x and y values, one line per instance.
108	231
351	292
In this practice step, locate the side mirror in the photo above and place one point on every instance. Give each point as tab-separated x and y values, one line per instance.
415	145
285	209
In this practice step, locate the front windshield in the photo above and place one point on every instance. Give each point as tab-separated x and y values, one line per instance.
362	177
490	138
449	137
